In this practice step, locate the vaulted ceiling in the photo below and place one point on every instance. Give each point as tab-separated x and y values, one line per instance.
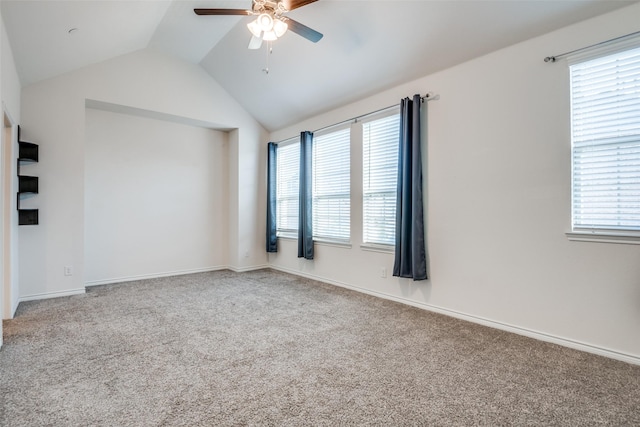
368	46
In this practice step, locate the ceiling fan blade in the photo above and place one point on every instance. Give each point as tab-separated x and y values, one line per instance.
304	31
294	4
222	12
255	43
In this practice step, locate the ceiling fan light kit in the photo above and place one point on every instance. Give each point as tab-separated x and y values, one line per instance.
270	23
280	27
267	27
255	28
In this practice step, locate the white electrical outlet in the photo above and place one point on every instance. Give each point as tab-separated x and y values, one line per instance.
68	270
383	272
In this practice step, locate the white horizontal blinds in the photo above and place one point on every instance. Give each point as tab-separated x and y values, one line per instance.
331	186
605	109
288	170
380	174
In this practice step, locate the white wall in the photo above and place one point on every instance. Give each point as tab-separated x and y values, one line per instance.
10	101
53	115
153	196
9	76
498	171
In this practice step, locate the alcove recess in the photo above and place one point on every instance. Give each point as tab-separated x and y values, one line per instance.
27	185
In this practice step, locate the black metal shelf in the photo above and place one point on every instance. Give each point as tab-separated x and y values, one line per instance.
27	153
27	184
27	216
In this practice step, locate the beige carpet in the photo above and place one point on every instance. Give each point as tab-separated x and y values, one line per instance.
266	348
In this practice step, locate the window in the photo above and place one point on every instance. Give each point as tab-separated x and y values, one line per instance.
380	140
605	121
331	186
288	168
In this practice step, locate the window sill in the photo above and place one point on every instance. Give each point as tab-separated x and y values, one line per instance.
372	247
624	238
322	242
288	236
344	245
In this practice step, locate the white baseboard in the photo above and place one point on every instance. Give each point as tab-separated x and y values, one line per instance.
68	292
47	295
174	273
245	269
565	342
153	275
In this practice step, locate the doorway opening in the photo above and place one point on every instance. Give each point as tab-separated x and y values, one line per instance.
8	218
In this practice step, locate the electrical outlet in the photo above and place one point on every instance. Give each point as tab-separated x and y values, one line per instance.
68	270
383	272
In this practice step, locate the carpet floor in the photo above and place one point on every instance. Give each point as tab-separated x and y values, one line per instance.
271	349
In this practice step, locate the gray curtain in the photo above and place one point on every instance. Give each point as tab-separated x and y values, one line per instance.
272	162
410	252
305	216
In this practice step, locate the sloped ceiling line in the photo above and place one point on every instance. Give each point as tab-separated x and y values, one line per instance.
367	46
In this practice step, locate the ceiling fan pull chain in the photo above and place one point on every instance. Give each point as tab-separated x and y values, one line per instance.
269	52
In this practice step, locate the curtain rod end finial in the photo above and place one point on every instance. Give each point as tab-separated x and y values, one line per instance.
550	59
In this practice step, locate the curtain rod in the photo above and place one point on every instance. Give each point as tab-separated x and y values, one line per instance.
555	57
430	96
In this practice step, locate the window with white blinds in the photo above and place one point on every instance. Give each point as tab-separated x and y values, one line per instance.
605	119
331	186
287	178
380	139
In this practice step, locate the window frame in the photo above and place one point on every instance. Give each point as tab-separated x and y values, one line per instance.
280	232
595	234
371	244
343	127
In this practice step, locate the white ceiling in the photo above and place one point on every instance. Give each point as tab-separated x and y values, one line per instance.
368	46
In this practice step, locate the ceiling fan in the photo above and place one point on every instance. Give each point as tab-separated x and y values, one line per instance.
271	22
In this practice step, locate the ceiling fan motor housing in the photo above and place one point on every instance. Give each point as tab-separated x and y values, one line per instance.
272	8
